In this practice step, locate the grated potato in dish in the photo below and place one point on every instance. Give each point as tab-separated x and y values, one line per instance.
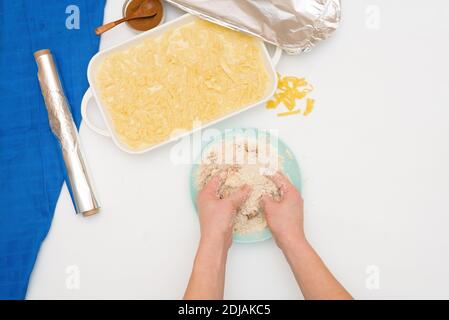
197	72
241	162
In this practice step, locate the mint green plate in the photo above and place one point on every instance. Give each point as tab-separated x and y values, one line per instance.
289	167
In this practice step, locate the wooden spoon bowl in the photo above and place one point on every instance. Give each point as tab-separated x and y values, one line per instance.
146	23
137	11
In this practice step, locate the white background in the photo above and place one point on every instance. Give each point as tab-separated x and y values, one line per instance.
374	157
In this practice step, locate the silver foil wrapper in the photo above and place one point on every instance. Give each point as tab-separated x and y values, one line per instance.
293	25
63	127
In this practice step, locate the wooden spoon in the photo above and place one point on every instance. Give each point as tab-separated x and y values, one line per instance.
145	10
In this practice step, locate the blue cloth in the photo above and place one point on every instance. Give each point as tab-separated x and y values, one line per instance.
31	166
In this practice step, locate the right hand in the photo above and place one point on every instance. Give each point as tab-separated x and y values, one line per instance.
285	217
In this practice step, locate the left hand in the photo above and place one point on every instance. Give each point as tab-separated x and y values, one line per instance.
217	215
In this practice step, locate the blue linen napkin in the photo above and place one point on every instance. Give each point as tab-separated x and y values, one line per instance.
31	167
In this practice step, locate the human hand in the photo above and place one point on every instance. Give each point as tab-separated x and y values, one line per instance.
285	217
217	215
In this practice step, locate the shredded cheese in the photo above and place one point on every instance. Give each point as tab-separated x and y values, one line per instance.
288	91
289	113
309	106
196	72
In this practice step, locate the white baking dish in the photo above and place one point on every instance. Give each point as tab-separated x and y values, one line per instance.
92	92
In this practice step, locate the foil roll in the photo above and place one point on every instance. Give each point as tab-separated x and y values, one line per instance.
293	25
63	127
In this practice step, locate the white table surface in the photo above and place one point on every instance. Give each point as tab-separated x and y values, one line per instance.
374	156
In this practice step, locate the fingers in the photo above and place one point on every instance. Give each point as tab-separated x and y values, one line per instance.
281	182
211	188
268	203
240	196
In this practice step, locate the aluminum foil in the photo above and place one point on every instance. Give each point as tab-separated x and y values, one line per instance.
63	127
293	25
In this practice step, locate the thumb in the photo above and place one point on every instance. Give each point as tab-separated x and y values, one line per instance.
240	196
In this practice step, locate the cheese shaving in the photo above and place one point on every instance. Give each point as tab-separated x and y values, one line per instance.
309	106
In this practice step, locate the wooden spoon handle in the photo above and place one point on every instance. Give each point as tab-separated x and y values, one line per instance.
109	26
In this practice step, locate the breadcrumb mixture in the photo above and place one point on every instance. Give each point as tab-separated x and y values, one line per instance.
240	162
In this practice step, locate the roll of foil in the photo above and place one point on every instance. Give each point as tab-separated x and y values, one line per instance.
293	25
63	127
